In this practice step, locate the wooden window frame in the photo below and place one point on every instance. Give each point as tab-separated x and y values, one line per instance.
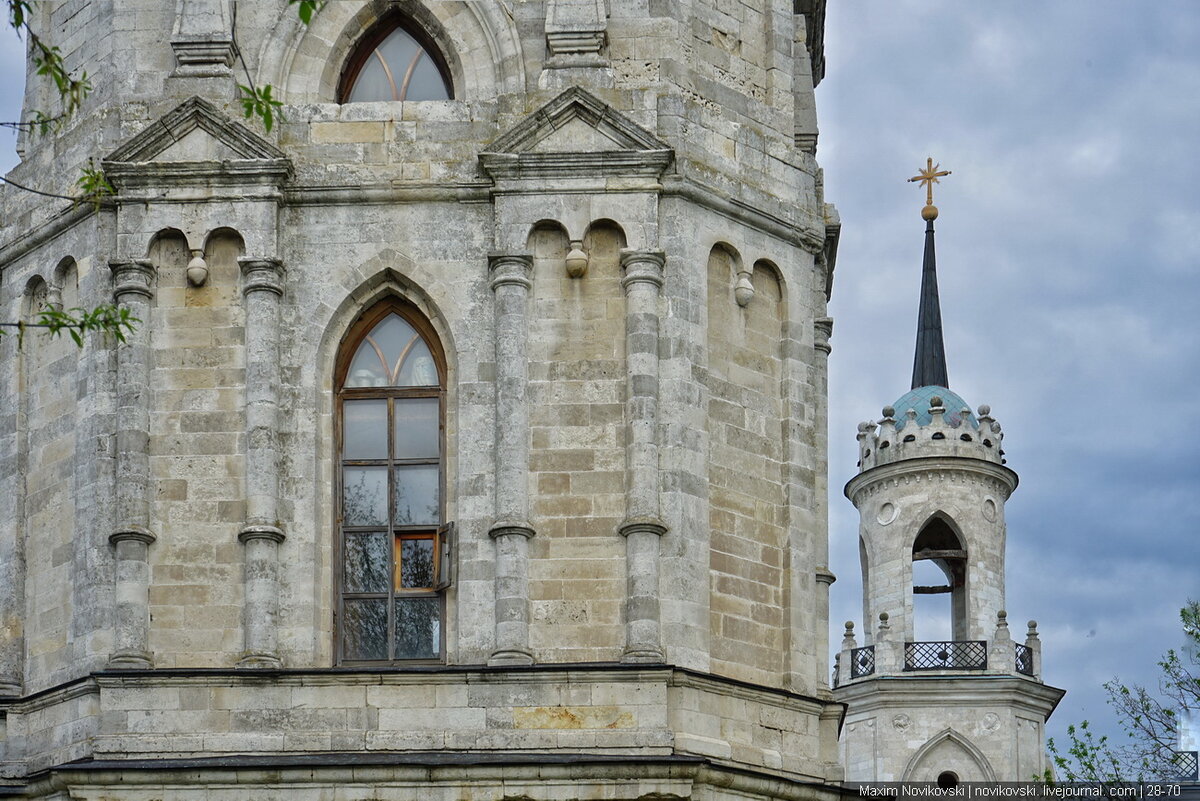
374	37
441	532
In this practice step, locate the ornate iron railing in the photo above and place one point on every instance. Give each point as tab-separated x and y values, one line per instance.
946	655
1024	659
1187	764
862	661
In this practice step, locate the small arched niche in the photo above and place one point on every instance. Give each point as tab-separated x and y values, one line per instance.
939	574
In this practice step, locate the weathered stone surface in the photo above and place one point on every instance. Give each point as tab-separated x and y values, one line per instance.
634	460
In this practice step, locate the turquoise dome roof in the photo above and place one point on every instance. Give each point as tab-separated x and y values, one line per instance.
919	399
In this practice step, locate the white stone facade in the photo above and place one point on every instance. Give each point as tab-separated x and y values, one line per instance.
633	453
972	708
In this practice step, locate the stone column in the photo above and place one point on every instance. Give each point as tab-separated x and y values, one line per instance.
13	468
511	532
262	287
819	402
133	289
642	527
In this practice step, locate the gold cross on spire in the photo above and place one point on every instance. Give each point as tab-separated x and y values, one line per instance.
928	177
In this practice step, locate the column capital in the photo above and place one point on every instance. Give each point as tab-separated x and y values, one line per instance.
639	525
642	266
261	274
510	268
503	528
822	331
134	533
255	532
133	277
825	576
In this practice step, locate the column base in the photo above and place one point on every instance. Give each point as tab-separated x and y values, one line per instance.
10	688
644	654
130	660
260	661
510	656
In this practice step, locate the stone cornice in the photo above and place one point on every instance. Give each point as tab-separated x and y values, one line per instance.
889	692
930	468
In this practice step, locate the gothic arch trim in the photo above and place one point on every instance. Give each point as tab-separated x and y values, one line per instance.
944	735
478	40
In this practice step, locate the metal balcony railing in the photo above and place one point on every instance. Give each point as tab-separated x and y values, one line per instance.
1187	764
946	655
1024	659
862	661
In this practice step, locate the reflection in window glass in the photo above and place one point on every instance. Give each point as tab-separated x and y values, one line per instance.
417	498
418	628
364	496
364	629
398	69
367	562
416	563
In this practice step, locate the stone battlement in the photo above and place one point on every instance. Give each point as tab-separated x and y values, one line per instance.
947	433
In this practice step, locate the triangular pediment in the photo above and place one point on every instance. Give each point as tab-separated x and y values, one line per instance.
576	133
195	130
195	145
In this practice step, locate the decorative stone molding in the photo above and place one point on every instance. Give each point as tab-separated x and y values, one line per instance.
201	40
132	618
133	289
262	288
642	529
575	27
511	280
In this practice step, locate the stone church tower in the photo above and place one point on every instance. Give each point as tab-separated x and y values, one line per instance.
931	490
471	442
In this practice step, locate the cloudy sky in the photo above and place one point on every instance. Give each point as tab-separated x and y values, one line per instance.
1069	261
1069	268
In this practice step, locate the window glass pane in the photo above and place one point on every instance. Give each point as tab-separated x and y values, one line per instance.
399	69
364	496
417	435
416	562
364	429
380	357
418	369
417	501
364	629
418	628
367	562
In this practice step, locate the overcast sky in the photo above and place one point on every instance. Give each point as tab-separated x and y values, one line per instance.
1069	266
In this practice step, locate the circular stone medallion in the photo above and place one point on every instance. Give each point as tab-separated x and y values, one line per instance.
989	510
887	513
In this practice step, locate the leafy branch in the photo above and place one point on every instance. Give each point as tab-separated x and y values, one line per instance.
78	321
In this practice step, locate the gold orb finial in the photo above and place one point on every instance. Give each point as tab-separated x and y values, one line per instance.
928	177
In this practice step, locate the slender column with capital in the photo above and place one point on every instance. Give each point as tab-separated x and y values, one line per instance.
133	289
13	469
511	531
642	527
262	287
822	331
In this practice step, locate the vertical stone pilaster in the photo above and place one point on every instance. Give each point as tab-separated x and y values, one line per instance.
819	403
511	282
13	448
133	289
262	288
642	527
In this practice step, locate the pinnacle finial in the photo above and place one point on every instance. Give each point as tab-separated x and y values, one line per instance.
928	177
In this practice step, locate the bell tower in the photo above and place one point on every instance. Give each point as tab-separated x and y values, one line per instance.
968	704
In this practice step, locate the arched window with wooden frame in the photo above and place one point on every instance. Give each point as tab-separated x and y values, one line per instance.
396	60
394	545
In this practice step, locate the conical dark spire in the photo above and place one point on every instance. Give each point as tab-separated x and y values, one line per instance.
929	362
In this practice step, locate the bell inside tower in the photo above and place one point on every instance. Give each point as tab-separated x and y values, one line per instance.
939	555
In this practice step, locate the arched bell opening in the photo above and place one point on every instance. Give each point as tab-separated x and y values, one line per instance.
939	572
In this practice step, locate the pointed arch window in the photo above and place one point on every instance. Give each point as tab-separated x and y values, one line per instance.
395	61
395	546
